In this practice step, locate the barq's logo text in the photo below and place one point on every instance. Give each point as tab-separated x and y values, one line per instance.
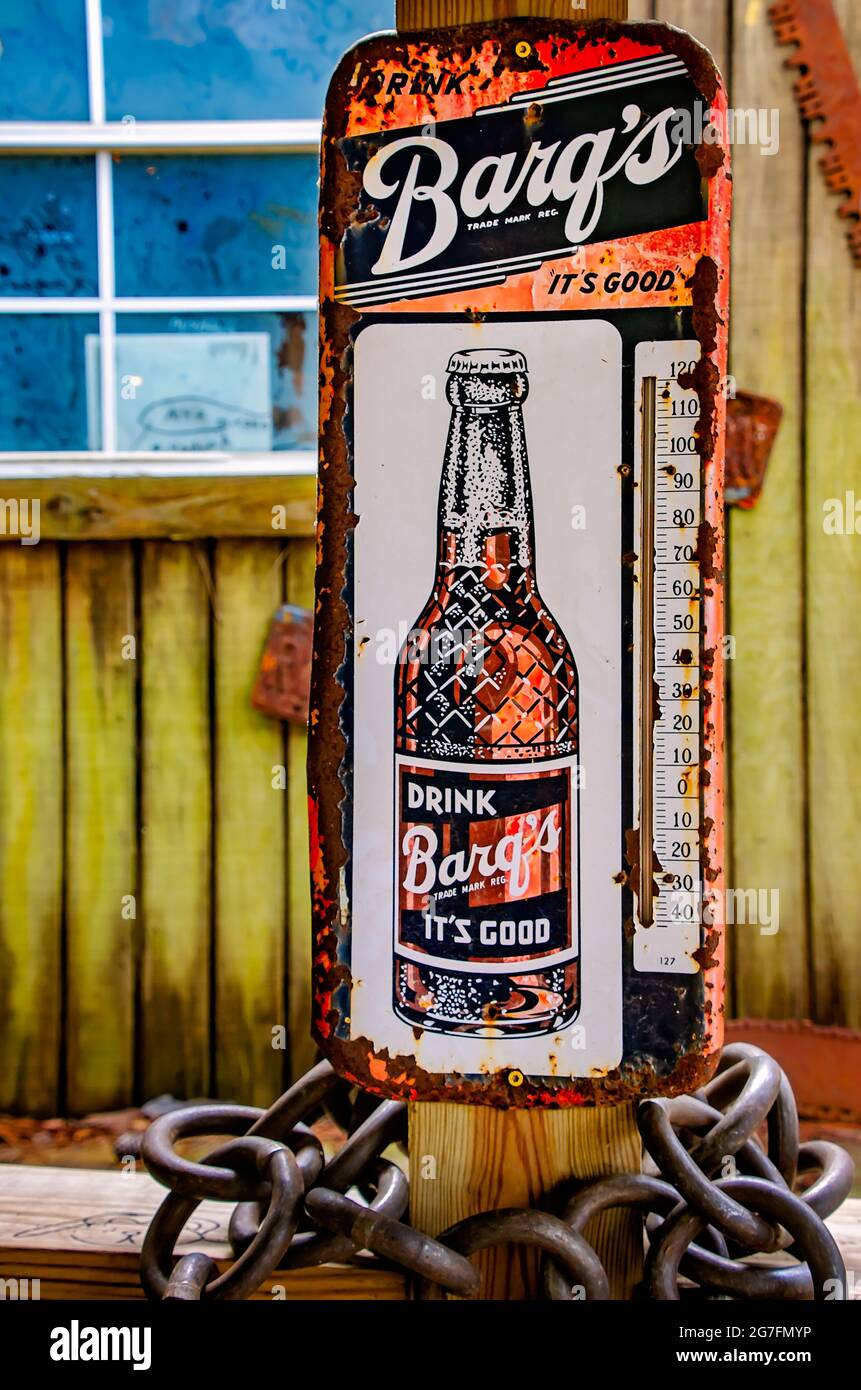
509	857
573	175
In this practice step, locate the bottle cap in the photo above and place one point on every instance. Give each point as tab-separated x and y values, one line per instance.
487	362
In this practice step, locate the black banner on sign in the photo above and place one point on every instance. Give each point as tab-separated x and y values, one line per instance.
439	212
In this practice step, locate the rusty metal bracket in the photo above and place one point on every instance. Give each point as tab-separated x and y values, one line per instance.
284	680
752	425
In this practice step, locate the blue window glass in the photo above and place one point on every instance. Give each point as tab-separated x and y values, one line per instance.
47	226
43	61
231	224
243	382
43	403
229	59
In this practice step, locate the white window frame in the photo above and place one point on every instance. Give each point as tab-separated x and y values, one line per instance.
102	139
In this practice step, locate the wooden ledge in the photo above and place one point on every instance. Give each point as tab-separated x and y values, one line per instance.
175	507
79	1232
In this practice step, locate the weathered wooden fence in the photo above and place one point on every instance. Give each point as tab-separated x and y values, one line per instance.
154	905
154	916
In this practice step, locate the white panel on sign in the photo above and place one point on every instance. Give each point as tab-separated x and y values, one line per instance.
439	951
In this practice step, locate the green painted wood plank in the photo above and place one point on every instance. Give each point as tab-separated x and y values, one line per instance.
250	831
765	570
101	825
176	819
31	850
300	590
834	591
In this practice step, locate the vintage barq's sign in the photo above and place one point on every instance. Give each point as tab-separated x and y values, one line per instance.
516	731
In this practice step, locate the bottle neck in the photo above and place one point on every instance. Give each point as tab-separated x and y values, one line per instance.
485	510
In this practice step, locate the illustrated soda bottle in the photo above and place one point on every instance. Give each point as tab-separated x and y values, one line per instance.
486	930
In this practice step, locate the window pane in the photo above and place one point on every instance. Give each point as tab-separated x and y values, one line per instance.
43	403
43	61
47	226
245	382
229	59
231	224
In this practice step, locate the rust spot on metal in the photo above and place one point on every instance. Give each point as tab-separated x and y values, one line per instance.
705	378
705	954
710	159
706	549
632	858
338	214
382	1074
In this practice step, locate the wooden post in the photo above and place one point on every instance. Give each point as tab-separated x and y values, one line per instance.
464	1158
469	1158
434	14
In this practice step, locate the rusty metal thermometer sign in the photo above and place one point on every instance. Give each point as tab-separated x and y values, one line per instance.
515	758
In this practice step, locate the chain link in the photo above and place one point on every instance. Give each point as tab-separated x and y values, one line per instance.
712	1195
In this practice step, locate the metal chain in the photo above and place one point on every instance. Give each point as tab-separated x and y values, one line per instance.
712	1195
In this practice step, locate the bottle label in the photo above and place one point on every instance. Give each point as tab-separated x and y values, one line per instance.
486	863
